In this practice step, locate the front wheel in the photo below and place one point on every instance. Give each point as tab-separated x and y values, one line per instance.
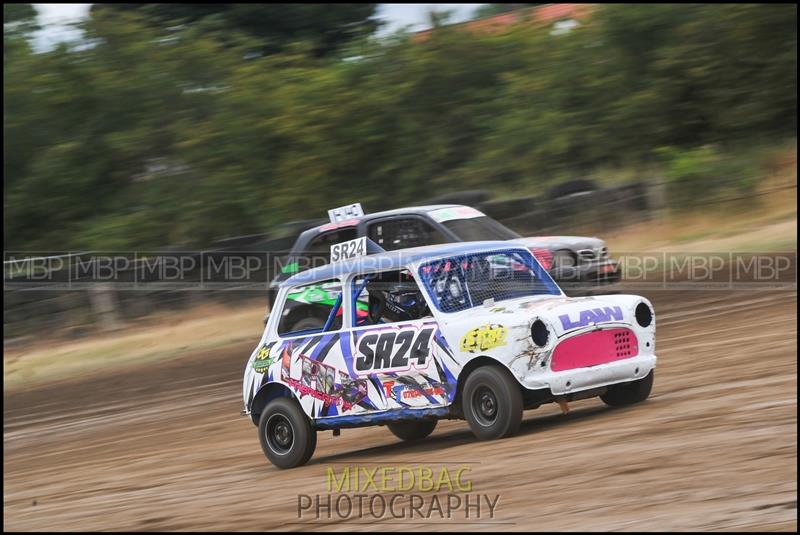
287	438
413	430
628	393
492	402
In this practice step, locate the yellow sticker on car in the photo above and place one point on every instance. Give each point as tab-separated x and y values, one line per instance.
484	337
263	359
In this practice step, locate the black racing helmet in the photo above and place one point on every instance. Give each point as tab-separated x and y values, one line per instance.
396	300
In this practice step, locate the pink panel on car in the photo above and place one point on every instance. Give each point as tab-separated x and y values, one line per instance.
593	348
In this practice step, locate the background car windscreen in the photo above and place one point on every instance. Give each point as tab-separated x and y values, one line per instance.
401	233
459	283
480	229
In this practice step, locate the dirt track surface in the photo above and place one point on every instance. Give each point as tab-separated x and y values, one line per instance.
164	447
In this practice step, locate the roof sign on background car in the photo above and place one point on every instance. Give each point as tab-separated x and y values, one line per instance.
349	249
458	212
345	212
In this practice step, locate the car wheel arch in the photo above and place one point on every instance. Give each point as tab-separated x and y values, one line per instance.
471	366
267	393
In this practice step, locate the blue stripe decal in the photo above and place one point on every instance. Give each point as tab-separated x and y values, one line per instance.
324	347
378	385
347	354
303	344
388	416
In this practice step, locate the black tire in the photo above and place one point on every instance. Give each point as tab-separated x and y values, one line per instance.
565	266
571	187
565	258
629	393
282	417
412	430
308	323
492	403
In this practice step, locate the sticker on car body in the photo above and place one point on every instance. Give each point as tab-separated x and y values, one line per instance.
394	350
484	337
594	315
264	359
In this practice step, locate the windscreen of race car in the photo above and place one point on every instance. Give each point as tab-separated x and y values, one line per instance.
459	283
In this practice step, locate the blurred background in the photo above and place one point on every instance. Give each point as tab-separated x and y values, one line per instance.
232	127
166	125
134	127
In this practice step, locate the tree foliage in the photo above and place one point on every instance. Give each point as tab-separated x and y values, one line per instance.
19	22
149	138
14	13
273	26
490	10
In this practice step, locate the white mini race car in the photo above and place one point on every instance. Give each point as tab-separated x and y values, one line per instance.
465	330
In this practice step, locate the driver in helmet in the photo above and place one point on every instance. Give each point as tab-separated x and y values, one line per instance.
393	300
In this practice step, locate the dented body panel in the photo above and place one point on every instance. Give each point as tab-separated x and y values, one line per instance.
532	365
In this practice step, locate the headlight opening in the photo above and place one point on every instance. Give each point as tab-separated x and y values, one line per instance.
539	333
644	315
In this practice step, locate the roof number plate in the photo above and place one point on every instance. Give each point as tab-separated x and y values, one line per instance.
345	212
349	249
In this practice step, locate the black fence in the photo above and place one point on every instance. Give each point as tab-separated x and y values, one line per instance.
75	293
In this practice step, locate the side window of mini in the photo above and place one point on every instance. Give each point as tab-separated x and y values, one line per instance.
312	308
403	233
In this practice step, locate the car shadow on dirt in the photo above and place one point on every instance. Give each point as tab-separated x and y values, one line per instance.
531	424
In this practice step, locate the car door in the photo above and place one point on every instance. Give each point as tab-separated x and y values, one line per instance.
314	361
405	357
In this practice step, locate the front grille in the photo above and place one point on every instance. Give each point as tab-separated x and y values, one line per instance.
594	348
623	344
586	254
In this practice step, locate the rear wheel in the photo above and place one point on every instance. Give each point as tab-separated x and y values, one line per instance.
628	393
492	403
413	430
287	438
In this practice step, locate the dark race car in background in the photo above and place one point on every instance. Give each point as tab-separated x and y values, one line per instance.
573	261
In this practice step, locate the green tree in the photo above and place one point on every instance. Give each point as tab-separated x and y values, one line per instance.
148	137
19	14
274	26
19	22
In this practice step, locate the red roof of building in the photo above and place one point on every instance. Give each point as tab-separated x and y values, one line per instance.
547	13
